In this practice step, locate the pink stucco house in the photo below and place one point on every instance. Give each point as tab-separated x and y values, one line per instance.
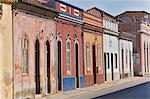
34	37
138	23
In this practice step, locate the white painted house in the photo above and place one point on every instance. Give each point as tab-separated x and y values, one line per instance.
111	48
126	54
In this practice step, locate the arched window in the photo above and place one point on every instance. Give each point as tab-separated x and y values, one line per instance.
88	57
68	56
25	53
99	57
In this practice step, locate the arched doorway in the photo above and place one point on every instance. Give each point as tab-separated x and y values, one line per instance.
105	66
130	57
37	66
122	58
77	65
94	62
59	66
112	66
48	66
145	57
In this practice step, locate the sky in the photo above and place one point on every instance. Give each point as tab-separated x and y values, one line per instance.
113	7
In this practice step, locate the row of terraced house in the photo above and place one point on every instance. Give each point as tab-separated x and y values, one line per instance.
47	46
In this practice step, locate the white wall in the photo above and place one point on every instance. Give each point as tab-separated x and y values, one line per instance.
110	25
126	46
111	46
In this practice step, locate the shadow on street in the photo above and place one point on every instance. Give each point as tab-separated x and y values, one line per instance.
138	92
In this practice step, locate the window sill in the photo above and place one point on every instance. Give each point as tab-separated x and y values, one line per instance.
25	74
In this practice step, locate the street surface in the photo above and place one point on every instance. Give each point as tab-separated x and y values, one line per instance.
137	92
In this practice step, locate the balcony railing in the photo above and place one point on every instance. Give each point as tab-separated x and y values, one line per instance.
144	28
134	27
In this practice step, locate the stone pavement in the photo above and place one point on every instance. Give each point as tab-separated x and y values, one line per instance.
99	90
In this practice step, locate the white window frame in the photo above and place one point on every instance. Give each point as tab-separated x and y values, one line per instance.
76	11
68	65
107	24
63	7
88	63
25	55
99	57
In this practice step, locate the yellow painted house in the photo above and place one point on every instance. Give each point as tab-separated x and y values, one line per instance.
6	52
93	47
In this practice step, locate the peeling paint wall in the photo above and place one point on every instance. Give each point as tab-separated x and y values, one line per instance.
43	30
6	60
63	30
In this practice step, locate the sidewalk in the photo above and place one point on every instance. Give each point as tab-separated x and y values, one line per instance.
99	90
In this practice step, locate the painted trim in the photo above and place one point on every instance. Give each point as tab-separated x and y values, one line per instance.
82	81
69	5
68	83
68	71
88	71
73	18
99	65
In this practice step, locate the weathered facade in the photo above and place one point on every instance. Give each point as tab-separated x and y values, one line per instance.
137	23
47	46
34	42
6	52
93	47
69	46
126	54
111	47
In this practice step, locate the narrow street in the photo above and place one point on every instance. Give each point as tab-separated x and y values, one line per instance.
138	92
105	90
74	49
